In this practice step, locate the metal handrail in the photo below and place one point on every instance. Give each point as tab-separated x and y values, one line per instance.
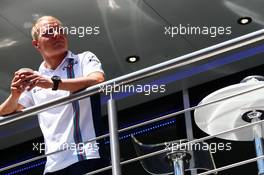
205	173
140	125
141	74
232	165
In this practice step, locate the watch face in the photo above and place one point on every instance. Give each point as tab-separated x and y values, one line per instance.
56	78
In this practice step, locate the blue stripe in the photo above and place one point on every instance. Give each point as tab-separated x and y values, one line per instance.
76	109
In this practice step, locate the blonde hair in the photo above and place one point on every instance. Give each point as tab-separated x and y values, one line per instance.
35	28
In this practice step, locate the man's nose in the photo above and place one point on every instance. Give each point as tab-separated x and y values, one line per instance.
55	34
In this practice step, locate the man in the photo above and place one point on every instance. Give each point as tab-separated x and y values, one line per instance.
60	74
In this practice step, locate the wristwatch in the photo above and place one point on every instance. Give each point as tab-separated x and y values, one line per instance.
56	81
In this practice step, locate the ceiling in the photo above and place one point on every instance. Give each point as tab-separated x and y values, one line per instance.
127	27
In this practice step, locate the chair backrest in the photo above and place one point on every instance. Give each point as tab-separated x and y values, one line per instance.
159	164
162	164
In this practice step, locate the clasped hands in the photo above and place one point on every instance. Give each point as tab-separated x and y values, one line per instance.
26	79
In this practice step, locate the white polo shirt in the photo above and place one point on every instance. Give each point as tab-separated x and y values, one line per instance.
68	125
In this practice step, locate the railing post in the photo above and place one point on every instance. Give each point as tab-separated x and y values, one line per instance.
114	141
188	124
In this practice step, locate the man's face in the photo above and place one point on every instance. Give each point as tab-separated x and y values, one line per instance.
51	39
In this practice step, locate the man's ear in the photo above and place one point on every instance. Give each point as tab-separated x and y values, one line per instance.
35	44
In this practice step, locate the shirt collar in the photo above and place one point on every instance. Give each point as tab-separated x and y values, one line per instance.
69	55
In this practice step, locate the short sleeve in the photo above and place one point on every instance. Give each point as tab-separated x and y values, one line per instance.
90	63
26	99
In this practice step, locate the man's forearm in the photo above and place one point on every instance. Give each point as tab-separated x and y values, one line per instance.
77	84
9	106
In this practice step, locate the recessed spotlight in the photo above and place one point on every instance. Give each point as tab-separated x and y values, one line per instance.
132	59
244	20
